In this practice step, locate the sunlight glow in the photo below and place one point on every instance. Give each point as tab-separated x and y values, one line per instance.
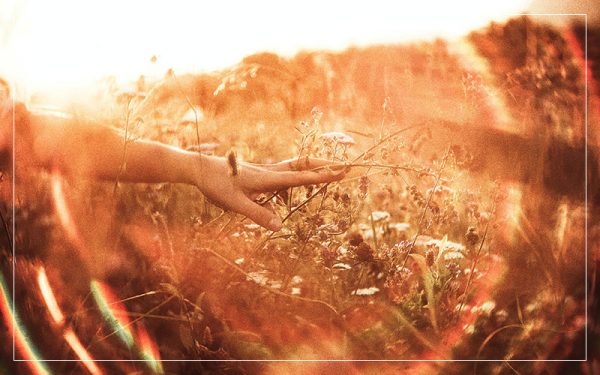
55	44
472	61
512	212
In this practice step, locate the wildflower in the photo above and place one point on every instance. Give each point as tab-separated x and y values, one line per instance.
399	227
343	225
327	254
453	268
485	308
472	236
355	239
364	252
454	246
400	247
309	190
453	255
440	190
316	114
501	316
380	215
336	196
339	138
365	291
363	187
429	257
345	199
423	240
341	266
258	277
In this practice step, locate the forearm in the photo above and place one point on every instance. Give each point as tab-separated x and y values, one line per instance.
101	152
143	161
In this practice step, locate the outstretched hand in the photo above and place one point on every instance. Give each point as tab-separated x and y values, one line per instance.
237	190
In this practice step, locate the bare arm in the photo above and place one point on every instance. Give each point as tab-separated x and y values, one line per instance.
100	152
96	151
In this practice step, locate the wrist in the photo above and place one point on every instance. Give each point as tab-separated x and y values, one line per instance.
193	173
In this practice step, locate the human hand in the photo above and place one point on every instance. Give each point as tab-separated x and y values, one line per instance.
237	191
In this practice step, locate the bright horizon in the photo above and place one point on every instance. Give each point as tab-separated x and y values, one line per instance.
70	44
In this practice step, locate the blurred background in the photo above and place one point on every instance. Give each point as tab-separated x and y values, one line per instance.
50	46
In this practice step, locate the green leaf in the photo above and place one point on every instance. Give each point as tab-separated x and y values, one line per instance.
245	345
403	320
440	257
186	336
428	282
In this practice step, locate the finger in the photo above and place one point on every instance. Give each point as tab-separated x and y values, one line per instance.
303	164
260	215
284	180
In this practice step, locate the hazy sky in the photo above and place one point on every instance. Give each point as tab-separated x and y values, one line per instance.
61	43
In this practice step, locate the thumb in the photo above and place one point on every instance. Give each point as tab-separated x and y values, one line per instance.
259	214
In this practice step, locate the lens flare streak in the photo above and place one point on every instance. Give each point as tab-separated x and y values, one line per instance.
116	316
114	312
83	354
49	298
22	340
63	212
58	317
472	60
149	351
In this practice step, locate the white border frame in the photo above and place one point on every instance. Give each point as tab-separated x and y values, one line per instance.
343	360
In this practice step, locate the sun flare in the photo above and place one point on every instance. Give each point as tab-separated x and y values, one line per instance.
62	43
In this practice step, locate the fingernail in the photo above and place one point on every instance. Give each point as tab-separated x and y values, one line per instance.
275	224
337	174
335	168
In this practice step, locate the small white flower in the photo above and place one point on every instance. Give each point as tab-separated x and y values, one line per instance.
338	137
380	215
341	266
239	261
400	227
453	255
365	291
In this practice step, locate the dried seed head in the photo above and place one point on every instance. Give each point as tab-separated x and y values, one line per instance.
346	199
364	252
316	114
309	190
336	196
232	162
343	225
328	254
429	257
472	236
355	239
363	187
